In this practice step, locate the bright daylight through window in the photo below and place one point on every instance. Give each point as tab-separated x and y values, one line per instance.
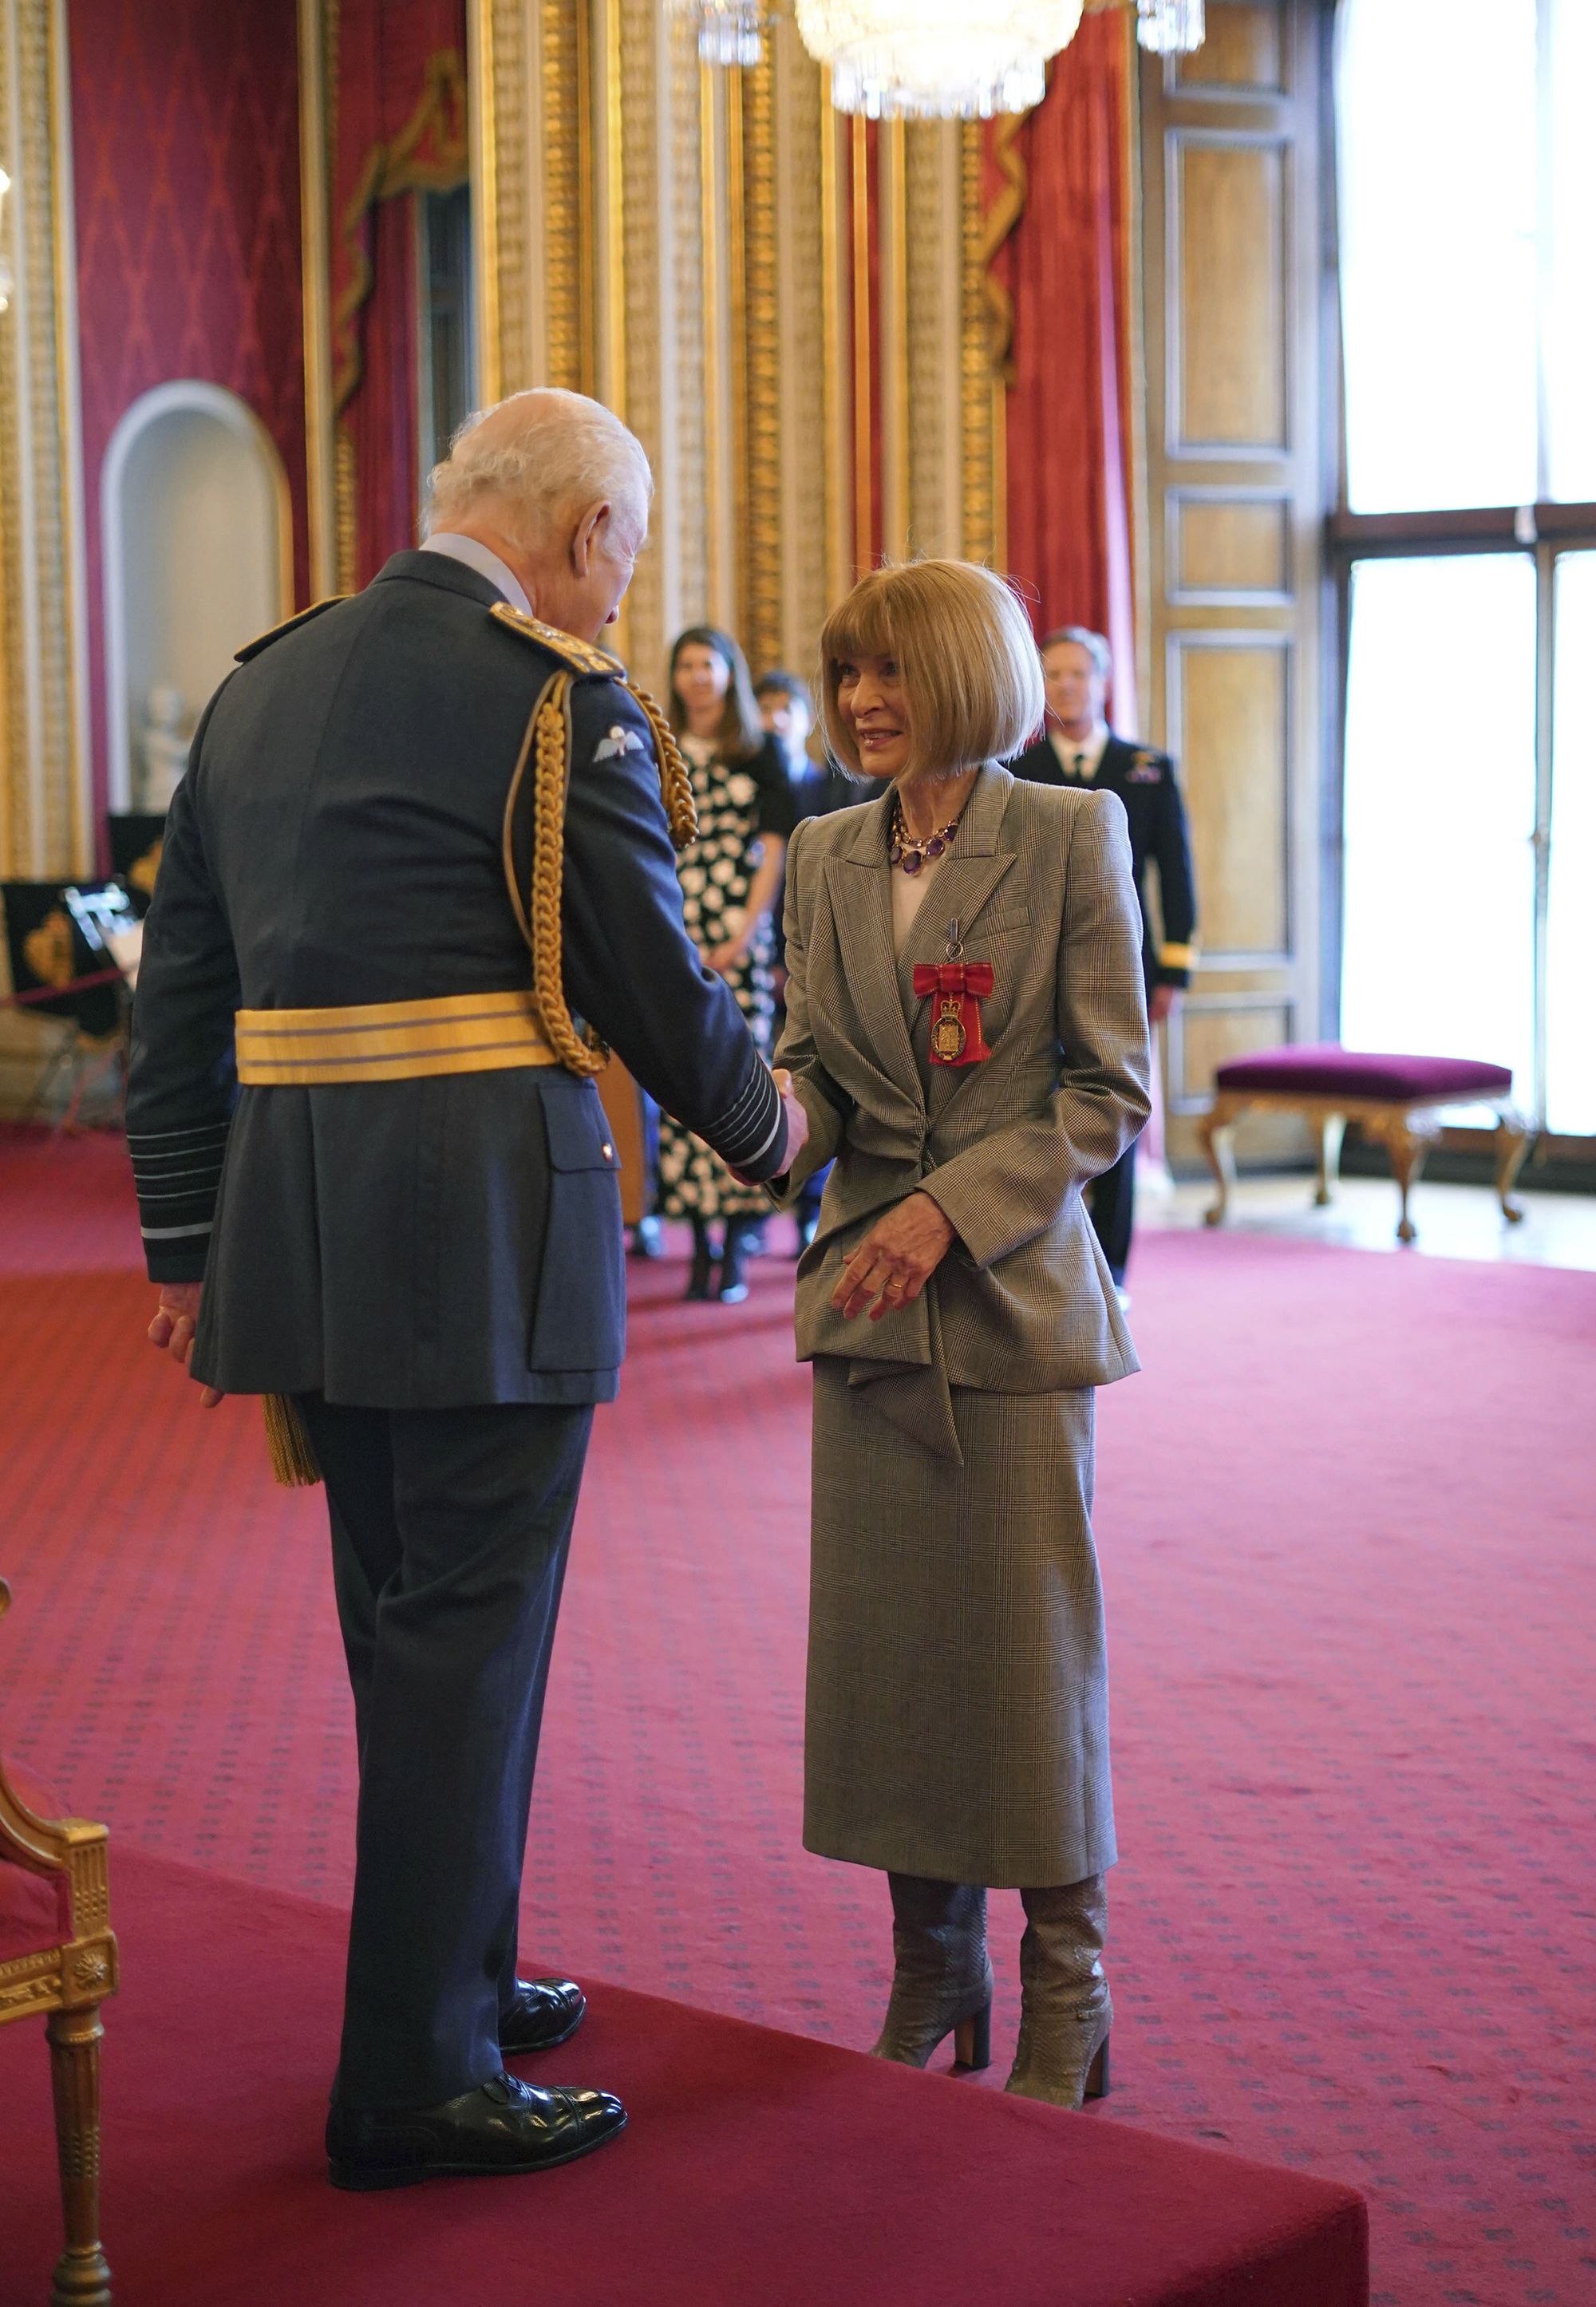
1467	218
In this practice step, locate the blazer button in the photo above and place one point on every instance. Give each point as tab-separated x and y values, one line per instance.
608	1152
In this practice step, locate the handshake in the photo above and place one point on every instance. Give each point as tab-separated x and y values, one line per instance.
797	1121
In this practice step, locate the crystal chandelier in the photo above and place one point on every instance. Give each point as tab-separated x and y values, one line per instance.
928	59
730	32
1170	27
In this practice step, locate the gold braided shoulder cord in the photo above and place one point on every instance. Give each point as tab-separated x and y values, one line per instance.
547	745
675	783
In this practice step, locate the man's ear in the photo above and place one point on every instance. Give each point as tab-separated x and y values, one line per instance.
587	536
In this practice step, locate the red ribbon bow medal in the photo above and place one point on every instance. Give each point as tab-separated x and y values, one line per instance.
957	989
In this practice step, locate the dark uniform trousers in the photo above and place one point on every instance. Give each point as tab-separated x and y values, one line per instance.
432	1268
450	1529
1145	780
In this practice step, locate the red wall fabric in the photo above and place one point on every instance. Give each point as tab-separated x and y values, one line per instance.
1067	266
401	129
185	150
381	417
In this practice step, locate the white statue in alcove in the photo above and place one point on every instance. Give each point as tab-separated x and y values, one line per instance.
163	745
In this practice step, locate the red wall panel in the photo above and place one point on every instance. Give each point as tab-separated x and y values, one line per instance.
186	153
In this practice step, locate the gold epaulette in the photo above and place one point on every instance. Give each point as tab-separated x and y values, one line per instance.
581	656
264	641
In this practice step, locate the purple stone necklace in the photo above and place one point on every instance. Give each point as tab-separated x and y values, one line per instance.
911	855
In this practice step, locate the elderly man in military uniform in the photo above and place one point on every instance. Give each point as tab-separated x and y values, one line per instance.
420	827
1079	748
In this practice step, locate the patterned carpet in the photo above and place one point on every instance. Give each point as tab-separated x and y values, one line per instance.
1345	1518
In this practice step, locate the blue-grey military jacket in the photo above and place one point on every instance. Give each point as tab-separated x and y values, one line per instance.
338	840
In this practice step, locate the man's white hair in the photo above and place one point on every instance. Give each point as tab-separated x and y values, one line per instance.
545	457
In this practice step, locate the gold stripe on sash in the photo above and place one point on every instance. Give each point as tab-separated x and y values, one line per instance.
390	1041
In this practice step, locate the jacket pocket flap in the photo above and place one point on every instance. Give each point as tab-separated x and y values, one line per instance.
578	1133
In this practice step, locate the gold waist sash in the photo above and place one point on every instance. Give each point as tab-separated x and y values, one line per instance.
390	1041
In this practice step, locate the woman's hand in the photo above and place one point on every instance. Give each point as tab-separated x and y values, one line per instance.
721	959
895	1261
176	1318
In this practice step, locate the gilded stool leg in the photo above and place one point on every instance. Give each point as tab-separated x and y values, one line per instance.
82	2278
1332	1130
1216	1132
1407	1149
1513	1143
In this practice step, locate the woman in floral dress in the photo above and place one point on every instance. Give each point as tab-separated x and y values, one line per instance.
730	878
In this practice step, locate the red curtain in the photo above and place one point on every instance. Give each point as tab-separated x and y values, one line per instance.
1067	267
400	128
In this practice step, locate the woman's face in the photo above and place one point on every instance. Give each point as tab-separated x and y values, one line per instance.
702	678
874	705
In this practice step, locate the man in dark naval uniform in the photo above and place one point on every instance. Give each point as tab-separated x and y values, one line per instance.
420	827
1078	749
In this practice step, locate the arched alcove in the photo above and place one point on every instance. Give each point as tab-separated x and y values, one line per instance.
198	559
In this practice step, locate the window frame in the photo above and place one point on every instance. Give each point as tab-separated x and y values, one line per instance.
1544	530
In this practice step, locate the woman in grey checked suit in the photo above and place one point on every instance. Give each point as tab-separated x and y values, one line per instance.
958	1312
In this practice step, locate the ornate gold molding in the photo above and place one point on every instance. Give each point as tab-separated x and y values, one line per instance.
565	223
979	406
44	800
860	306
836	309
763	527
894	212
316	285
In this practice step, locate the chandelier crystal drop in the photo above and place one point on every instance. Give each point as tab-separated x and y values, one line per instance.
937	59
1170	27
730	32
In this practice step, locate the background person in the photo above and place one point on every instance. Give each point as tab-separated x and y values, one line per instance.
956	1721
1078	749
786	707
430	1265
730	878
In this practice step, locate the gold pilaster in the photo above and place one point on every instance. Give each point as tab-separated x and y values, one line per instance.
762	531
864	398
977	395
314	250
45	825
895	341
835	305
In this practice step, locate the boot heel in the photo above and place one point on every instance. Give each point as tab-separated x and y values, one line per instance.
973	2040
1097	2073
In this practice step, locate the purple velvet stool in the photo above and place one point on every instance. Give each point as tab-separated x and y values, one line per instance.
1396	1100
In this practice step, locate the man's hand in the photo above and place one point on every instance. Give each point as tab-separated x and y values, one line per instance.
797	1128
177	1318
1160	1003
895	1261
797	1114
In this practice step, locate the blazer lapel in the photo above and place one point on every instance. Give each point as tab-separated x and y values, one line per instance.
861	887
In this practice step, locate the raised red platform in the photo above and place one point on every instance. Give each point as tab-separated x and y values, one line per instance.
759	2166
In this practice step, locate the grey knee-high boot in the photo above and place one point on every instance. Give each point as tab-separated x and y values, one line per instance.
1065	2007
942	1981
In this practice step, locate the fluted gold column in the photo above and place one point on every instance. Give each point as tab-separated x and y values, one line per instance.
45	825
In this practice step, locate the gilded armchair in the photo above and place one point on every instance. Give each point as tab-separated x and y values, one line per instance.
58	1962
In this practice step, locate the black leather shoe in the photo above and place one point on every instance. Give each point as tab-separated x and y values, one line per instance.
504	2127
545	2012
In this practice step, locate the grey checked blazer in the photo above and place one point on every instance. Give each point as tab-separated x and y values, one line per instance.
1039	881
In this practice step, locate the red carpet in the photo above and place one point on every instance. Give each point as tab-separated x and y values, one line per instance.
1345	1518
758	2170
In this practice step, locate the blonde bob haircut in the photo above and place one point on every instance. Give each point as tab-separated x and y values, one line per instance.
965	648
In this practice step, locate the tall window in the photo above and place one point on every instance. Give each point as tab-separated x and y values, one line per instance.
1467	211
